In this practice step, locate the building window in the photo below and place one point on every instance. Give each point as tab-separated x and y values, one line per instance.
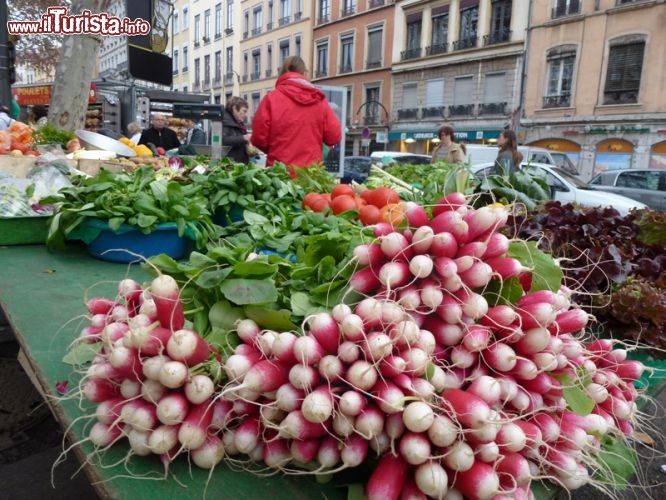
371	107
256	21
500	23
346	54
494	95
324	11
218	67
185	57
207	68
285	12
229	64
623	75
218	20
348	7
413	48
440	31
175	61
256	99
284	50
175	22
375	38
269	60
197	72
256	65
297	42
564	8
206	34
322	60
463	97
469	18
197	28
186	21
229	27
434	99
408	109
560	77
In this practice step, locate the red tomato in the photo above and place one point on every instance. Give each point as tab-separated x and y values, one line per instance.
382	196
343	203
309	198
342	190
319	204
369	215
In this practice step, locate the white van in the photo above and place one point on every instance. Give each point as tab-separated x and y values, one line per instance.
383	158
479	153
549	157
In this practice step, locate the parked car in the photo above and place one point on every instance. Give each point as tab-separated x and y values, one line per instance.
357	169
383	158
646	185
542	155
566	188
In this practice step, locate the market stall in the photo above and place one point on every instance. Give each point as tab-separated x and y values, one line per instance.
42	294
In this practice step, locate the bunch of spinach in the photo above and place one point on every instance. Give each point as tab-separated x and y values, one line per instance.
140	199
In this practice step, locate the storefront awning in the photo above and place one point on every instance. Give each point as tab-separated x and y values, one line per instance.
460	135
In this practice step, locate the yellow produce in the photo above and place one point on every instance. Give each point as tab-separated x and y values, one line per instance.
142	150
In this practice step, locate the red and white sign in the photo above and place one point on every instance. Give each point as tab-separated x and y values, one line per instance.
32	95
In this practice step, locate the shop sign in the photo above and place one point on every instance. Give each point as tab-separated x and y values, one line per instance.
621	129
33	95
470	135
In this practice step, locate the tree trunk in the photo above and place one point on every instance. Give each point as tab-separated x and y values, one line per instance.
74	72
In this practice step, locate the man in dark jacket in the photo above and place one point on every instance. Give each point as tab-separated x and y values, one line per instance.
194	136
234	133
159	135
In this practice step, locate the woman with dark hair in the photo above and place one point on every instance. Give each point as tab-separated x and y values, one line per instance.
508	158
448	150
295	120
234	132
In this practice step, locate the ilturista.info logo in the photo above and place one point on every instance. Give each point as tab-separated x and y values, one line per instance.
57	21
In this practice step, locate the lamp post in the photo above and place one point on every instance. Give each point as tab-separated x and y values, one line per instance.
375	103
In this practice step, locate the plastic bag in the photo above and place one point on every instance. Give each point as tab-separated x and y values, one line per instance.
47	180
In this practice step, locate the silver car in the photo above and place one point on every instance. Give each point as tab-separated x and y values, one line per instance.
566	188
647	185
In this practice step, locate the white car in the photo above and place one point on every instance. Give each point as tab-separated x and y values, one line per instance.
566	188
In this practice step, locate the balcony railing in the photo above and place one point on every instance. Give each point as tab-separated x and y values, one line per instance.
206	85
255	75
461	110
492	108
410	53
269	26
497	36
376	3
624	2
321	73
433	112
345	68
184	70
629	96
206	39
245	35
256	31
197	43
197	86
228	78
349	11
408	113
244	78
557	101
229	31
269	73
298	16
217	81
371	119
324	18
284	20
439	48
373	64
566	9
464	43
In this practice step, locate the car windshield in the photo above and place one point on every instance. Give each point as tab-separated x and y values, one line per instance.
576	181
563	161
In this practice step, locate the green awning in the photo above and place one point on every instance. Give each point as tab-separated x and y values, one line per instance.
461	135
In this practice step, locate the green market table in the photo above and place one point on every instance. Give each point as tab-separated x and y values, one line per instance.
42	295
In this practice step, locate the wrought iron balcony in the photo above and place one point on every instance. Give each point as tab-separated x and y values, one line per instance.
298	16
256	31
245	35
373	64
217	81
564	9
557	101
465	43
206	39
206	85
413	53
492	108
345	68
255	75
323	19
269	73
197	86
621	96
376	3
349	11
228	78
321	73
371	119
244	78
625	2
284	20
461	110
269	26
433	112
438	48
408	113
497	36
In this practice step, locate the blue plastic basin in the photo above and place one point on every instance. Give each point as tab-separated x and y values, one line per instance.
130	245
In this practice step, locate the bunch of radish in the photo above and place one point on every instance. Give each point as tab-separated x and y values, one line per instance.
149	381
456	399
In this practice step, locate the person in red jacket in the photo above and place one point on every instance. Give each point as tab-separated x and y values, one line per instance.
294	121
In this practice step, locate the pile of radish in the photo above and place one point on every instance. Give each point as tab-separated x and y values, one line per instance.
451	396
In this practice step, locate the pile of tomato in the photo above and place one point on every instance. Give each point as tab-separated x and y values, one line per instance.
381	204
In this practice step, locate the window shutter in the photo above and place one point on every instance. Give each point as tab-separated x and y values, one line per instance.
409	96
434	93
625	63
462	90
375	45
495	89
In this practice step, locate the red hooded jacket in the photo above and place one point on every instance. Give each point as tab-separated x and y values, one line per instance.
293	122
